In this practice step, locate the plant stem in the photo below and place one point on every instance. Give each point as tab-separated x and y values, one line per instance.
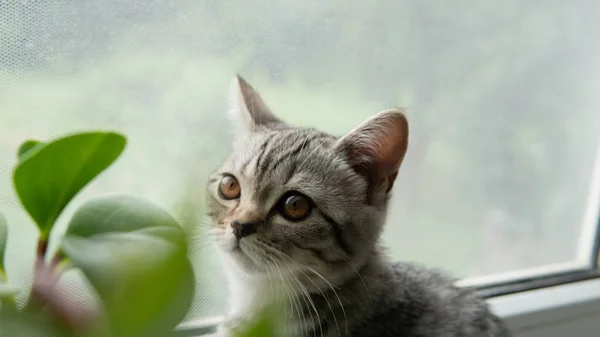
56	261
45	292
42	249
39	266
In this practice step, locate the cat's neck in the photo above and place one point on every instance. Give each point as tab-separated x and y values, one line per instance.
306	306
247	294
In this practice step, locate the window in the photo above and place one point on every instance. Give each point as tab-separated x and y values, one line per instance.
501	180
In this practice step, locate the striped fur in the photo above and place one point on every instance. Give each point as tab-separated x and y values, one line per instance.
328	269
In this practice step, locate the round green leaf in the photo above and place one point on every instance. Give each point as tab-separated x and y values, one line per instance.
3	241
29	145
49	175
13	323
135	255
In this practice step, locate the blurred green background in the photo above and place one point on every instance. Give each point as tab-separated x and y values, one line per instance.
501	96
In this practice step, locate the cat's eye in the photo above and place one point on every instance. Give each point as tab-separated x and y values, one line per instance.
295	206
229	188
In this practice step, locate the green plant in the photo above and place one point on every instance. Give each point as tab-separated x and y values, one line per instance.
131	251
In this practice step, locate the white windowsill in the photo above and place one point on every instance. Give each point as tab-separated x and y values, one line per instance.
544	309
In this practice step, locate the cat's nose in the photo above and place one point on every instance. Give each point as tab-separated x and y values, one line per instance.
241	229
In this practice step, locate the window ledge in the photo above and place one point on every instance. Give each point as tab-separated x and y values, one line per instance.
545	308
545	312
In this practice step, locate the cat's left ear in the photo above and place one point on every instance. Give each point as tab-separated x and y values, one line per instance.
376	148
247	109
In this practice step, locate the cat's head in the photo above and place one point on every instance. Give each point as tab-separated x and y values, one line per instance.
300	198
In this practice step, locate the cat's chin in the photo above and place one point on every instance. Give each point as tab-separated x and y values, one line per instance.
239	256
244	254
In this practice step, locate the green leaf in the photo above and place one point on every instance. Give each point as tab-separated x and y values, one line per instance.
49	175
27	146
7	290
3	241
266	324
13	323
135	255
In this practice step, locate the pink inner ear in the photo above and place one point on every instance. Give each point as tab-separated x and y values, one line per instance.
376	148
384	141
392	145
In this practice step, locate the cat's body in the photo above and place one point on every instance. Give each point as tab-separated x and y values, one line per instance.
405	300
297	214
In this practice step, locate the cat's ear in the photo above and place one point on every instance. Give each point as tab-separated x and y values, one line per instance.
247	109
376	148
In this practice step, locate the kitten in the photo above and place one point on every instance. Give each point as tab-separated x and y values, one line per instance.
297	214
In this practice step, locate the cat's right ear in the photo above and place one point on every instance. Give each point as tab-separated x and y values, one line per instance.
247	110
376	148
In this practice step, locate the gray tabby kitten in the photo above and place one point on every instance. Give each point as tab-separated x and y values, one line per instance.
297	214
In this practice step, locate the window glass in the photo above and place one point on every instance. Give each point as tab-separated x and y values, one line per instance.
502	99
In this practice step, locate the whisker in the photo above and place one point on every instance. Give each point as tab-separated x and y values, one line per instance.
361	280
204	224
336	295
288	294
268	268
306	295
204	236
297	305
281	279
312	304
324	296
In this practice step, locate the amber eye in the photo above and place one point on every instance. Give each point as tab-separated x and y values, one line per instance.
229	188
295	206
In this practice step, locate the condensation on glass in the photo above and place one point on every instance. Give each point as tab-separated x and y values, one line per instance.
502	99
